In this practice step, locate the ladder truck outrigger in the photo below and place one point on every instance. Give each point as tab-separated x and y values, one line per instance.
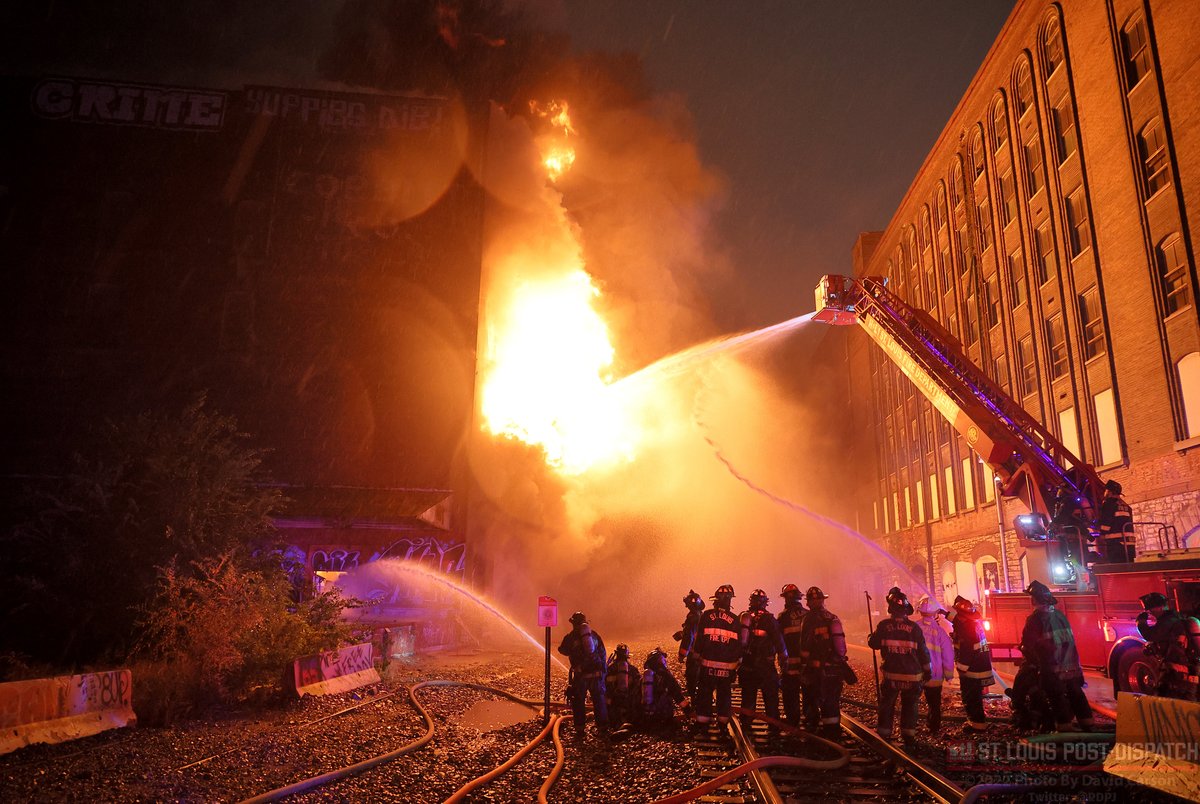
1061	492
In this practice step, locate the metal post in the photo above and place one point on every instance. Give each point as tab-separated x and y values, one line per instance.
874	657
546	714
1003	540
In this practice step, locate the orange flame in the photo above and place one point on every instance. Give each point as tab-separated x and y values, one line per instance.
549	355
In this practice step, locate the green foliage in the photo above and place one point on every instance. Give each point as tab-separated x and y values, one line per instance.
152	491
227	632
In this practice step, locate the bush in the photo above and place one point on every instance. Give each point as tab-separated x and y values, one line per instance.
226	633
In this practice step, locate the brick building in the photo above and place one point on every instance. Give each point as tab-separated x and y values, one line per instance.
1050	229
309	259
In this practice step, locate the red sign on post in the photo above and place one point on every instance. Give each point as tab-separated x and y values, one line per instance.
547	611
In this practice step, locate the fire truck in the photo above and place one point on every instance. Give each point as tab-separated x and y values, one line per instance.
1060	494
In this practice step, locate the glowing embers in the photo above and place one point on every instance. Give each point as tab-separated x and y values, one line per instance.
557	155
548	379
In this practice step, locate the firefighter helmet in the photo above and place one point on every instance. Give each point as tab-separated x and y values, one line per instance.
789	591
1113	487
897	602
621	652
927	606
724	590
758	599
1041	593
815	593
656	660
964	606
578	617
693	600
1153	600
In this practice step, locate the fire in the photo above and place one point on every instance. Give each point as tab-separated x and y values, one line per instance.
548	376
549	383
557	155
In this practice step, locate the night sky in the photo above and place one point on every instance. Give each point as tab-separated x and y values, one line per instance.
817	113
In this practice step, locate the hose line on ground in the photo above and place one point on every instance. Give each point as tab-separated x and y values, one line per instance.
358	767
841	761
461	793
559	760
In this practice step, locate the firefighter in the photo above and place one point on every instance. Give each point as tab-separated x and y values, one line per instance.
621	686
686	637
941	659
660	692
585	649
1115	516
901	643
762	643
1049	643
1175	639
718	642
1031	708
823	651
973	658
791	621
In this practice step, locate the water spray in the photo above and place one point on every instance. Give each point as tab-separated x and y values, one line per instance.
429	575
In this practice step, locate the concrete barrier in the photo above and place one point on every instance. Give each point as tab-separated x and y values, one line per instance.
54	710
335	671
1158	744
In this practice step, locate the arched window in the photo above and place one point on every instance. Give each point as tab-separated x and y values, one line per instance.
1024	88
1173	274
1153	149
1053	47
926	230
939	209
1189	385
999	123
978	162
957	188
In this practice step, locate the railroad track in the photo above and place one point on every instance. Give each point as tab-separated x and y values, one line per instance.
876	770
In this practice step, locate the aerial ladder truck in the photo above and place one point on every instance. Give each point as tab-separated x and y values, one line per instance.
1061	492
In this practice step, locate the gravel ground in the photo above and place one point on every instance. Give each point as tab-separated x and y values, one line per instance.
236	755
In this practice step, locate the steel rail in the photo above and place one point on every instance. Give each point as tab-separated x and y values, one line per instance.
929	780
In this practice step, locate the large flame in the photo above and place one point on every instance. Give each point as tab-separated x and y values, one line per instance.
548	378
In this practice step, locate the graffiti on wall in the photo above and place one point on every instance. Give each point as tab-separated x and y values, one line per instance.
334	560
445	557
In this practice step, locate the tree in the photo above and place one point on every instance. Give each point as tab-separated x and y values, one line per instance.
153	491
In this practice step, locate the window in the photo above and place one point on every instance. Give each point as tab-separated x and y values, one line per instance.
1153	150
1092	323
971	319
945	272
991	289
1054	48
934	507
1034	174
977	158
1136	49
958	189
1069	431
1056	346
985	224
1065	136
968	470
920	501
951	497
1173	274
1000	124
1024	89
1106	422
1077	222
1016	278
1008	199
940	208
1026	370
1046	262
1001	367
1189	384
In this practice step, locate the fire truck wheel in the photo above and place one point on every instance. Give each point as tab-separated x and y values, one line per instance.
1136	673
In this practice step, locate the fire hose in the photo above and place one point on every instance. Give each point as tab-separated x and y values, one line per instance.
351	770
841	761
